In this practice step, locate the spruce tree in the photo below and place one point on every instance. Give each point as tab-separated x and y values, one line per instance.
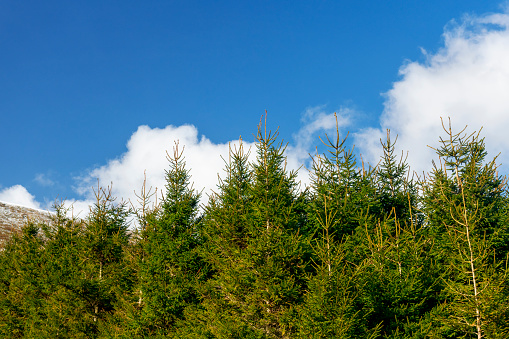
226	234
339	204
103	273
128	321
397	275
66	305
171	266
330	307
253	227
22	283
277	252
466	210
349	189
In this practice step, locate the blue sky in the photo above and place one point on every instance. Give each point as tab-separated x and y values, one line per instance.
78	79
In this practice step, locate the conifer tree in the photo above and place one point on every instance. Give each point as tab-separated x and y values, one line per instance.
171	266
105	236
57	253
65	305
128	321
398	285
361	254
348	188
464	167
277	252
330	307
227	237
22	283
392	285
466	210
339	205
396	192
258	255
397	279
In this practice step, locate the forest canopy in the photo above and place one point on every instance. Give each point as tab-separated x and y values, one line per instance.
363	252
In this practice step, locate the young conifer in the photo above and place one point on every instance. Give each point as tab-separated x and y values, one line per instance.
253	227
335	211
393	270
66	305
226	239
171	267
22	284
104	273
466	209
348	188
277	252
330	308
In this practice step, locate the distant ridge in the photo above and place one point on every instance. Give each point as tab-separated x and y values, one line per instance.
13	217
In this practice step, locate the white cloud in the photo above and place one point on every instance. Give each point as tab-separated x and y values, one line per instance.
146	153
18	195
43	180
467	80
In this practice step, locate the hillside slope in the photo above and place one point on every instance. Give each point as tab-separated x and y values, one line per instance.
13	217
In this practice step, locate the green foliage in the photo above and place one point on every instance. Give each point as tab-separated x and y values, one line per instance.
346	189
329	306
66	279
397	281
22	282
105	239
171	266
255	246
466	209
463	169
364	252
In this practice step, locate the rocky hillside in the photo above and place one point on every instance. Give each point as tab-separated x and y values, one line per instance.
13	217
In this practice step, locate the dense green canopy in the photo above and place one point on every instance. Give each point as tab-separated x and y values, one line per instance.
364	252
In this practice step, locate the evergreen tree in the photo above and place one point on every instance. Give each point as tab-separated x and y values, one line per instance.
340	200
349	190
361	254
227	237
171	266
128	321
398	282
22	283
396	192
66	304
277	252
103	273
330	308
253	227
466	210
